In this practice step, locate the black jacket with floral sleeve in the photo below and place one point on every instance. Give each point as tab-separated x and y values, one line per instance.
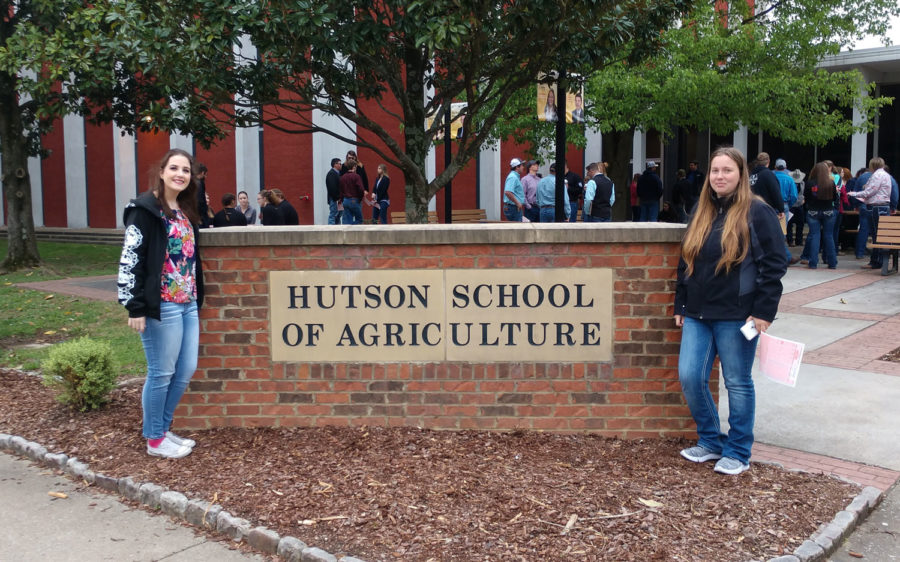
143	254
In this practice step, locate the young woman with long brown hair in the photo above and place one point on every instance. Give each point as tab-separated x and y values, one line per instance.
161	286
732	261
822	198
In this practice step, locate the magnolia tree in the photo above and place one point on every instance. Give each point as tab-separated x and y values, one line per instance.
720	70
61	57
405	62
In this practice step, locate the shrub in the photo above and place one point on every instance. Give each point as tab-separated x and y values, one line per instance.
82	371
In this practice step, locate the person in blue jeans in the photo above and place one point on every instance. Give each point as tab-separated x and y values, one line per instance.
161	285
878	195
732	262
822	199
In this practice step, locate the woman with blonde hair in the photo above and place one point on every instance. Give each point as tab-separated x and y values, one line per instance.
380	194
732	261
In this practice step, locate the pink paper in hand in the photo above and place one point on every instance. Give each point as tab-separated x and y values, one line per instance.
779	359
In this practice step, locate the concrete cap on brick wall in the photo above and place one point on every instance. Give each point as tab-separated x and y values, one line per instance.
435	234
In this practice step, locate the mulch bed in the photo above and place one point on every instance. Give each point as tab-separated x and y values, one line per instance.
412	494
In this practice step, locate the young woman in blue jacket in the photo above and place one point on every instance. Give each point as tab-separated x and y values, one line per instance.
732	262
161	286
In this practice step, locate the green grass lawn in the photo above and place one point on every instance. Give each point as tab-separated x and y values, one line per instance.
26	314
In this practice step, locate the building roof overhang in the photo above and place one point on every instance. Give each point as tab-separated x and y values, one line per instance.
880	65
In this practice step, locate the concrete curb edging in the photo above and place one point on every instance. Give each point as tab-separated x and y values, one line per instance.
197	513
212	517
829	536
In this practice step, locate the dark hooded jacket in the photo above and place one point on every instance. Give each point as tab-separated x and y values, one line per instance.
751	288
143	254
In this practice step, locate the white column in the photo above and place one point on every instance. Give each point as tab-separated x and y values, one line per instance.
431	157
76	171
36	180
247	149
639	150
125	169
490	178
593	149
740	140
430	174
326	147
184	142
858	157
247	161
35	172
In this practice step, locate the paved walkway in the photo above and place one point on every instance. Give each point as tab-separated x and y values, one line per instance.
100	288
89	525
842	416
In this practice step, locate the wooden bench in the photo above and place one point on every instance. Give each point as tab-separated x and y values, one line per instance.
399	217
468	215
888	239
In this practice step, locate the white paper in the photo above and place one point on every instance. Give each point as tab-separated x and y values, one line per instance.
779	359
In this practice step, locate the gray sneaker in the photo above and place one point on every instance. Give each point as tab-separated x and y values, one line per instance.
728	465
178	440
700	454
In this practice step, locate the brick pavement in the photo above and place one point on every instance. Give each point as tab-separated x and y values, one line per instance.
860	351
863	474
101	287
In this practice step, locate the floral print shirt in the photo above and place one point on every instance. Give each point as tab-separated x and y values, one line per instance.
180	266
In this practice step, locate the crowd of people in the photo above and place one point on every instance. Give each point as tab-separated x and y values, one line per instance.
808	204
349	193
820	203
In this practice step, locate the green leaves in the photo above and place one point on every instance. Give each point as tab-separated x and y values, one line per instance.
719	71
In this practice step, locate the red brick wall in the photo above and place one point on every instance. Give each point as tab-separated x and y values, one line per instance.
635	395
102	211
53	172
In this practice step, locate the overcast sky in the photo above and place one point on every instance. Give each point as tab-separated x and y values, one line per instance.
871	42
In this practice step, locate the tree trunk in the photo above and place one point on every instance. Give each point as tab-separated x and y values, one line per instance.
617	146
22	250
417	145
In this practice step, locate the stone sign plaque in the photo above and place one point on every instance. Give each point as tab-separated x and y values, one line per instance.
483	316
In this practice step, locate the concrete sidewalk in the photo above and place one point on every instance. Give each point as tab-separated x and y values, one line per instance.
843	415
89	525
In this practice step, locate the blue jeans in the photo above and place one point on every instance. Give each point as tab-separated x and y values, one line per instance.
862	236
821	222
573	211
650	211
701	341
877	256
352	211
512	213
170	346
838	219
533	214
334	216
548	214
380	213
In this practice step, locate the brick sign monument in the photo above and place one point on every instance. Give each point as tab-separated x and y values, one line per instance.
489	326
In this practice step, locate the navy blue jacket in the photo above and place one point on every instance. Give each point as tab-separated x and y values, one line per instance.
141	264
752	288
